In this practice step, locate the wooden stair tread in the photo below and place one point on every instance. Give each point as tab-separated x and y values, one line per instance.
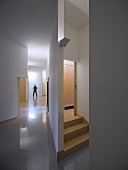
74	118
74	128
75	141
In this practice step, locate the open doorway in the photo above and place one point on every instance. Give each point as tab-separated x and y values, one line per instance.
76	127
70	103
22	91
68	85
35	78
23	88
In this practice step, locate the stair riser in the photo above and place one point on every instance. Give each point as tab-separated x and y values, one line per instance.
72	122
76	133
75	148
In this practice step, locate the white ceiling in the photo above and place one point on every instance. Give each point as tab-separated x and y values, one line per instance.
77	12
29	23
82	4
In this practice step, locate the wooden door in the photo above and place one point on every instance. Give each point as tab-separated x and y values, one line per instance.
22	89
68	85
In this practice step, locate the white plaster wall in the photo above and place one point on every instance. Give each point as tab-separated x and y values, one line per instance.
56	83
61	98
60	19
13	64
44	83
44	76
47	68
108	85
60	76
53	83
83	73
82	4
71	50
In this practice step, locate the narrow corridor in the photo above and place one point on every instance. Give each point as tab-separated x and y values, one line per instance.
26	142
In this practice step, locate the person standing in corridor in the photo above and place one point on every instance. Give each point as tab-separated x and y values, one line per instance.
35	90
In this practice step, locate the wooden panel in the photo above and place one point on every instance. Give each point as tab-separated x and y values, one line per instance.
22	89
44	88
68	85
75	88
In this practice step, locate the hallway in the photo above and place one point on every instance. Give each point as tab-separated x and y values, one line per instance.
26	143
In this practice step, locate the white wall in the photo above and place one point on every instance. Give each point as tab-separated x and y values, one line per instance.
44	83
82	4
60	19
35	77
71	50
13	64
108	85
60	77
47	68
61	98
53	85
83	73
55	74
56	86
44	76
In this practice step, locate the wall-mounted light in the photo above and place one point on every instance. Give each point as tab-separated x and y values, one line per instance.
64	42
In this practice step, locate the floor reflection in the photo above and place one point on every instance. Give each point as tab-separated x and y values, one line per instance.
78	161
34	139
35	102
26	142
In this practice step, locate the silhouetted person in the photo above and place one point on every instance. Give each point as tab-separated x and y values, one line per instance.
35	90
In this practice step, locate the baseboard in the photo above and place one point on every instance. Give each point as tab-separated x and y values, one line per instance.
50	128
4	121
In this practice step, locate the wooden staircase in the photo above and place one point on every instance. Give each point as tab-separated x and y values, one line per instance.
76	136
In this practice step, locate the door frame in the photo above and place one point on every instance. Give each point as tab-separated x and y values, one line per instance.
75	88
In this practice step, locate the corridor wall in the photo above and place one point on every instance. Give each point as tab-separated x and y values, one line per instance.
13	64
108	85
83	73
71	51
55	72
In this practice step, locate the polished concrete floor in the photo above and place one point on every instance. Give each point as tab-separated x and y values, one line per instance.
26	143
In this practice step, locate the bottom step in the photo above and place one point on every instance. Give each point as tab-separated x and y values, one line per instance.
76	141
74	145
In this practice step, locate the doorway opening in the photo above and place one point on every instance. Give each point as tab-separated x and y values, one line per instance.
37	76
22	91
23	87
70	103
